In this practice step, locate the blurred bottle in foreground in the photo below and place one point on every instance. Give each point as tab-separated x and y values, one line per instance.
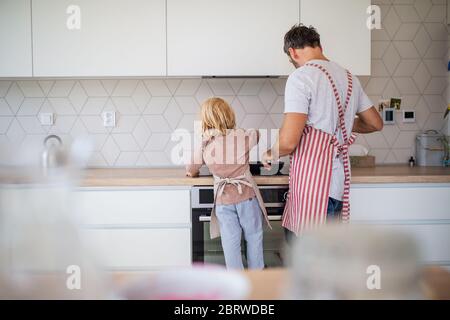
355	262
41	255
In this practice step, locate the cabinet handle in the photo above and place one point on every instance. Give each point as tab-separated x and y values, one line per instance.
204	219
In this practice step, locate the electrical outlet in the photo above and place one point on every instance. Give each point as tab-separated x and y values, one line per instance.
109	118
46	119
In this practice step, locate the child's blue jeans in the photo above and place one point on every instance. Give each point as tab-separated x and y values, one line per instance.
246	216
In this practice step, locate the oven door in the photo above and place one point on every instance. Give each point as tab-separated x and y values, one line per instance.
207	250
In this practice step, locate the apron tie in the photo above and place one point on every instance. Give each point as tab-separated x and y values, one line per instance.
237	182
219	186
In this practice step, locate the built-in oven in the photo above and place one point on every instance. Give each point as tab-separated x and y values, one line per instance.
207	250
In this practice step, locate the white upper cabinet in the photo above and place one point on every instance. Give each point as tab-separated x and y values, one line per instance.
15	38
343	28
99	37
229	37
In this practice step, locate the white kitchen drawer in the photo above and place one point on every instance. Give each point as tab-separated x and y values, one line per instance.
132	207
140	248
400	202
433	240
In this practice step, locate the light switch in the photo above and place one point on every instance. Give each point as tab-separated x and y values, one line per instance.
389	116
409	116
46	119
109	118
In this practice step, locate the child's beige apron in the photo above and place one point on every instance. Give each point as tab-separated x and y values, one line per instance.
219	186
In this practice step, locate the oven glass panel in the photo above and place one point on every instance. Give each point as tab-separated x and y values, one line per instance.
273	195
206	196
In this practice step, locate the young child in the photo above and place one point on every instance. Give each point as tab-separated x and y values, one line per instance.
238	203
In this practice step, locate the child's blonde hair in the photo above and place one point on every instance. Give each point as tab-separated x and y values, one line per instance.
217	116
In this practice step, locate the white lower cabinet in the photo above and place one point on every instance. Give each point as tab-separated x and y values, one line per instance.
433	241
140	249
136	228
133	206
420	210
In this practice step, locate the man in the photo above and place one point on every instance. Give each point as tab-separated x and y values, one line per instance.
321	102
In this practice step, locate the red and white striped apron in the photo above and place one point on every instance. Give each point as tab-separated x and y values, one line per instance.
311	169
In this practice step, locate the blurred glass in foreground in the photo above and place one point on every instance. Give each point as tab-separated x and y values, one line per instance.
355	262
41	254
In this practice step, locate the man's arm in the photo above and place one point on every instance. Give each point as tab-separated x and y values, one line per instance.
368	121
288	139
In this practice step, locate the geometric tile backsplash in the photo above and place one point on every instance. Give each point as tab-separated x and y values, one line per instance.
409	60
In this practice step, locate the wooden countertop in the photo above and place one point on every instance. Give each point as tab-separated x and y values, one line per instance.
271	284
116	177
176	177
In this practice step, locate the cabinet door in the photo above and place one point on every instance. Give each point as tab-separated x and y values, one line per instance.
226	38
125	207
344	33
397	202
15	38
140	249
115	38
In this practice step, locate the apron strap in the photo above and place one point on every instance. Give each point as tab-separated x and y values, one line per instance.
341	108
348	140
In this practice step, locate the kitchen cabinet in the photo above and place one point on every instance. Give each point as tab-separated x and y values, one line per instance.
127	249
99	38
15	38
421	210
136	228
226	38
342	24
133	206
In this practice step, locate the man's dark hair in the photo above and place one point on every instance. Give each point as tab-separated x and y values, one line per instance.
301	36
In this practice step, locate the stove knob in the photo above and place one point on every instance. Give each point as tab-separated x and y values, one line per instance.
285	195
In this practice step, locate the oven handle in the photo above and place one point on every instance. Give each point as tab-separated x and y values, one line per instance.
208	219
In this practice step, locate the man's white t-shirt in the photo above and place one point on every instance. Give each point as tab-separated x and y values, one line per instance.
309	91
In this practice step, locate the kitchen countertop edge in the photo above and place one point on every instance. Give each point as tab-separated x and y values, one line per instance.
175	177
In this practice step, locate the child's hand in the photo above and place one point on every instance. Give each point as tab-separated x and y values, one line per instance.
191	175
267	159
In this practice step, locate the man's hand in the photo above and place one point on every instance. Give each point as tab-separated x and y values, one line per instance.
267	159
368	121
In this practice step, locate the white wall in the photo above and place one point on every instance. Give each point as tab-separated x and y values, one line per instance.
409	59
